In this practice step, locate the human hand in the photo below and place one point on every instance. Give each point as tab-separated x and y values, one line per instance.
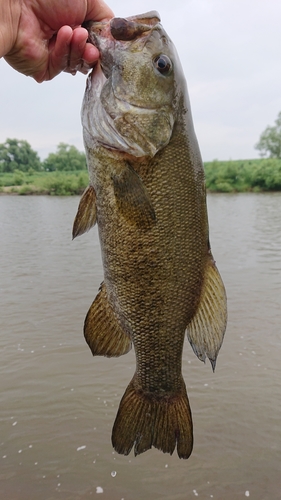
47	38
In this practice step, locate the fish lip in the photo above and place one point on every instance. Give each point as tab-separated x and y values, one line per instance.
104	70
121	29
96	79
126	29
152	17
147	16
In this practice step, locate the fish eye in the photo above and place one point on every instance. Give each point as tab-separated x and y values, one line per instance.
163	64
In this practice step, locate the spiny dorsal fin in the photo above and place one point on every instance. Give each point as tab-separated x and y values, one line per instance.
206	330
102	330
86	214
132	198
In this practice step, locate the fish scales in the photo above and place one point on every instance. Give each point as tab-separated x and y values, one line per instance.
147	195
159	257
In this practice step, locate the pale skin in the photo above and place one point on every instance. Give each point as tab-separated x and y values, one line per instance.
41	38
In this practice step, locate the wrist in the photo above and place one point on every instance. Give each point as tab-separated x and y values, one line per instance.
10	11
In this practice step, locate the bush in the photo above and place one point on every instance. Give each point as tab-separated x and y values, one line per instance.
18	178
54	183
240	176
67	158
63	185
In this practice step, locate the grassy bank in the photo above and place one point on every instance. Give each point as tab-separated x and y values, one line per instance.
51	183
221	176
243	175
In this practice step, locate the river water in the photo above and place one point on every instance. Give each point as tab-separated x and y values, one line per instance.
58	403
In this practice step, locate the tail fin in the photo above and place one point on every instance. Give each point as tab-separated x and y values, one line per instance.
145	420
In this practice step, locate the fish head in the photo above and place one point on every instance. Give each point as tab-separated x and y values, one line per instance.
132	95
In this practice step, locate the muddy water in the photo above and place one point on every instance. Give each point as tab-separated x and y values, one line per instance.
58	403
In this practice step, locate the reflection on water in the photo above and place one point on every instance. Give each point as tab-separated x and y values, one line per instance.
58	403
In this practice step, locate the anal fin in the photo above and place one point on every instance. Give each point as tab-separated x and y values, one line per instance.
86	214
102	331
206	330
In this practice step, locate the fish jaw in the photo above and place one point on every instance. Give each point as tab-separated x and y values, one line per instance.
100	128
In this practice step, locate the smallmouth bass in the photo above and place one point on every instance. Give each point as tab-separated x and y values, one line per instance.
147	195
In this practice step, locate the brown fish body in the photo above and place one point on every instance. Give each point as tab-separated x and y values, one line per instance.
150	205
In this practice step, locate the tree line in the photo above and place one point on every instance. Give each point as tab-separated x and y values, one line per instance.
269	144
18	154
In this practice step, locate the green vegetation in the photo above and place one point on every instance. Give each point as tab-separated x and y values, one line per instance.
53	183
241	176
22	172
270	140
221	176
64	172
67	158
18	155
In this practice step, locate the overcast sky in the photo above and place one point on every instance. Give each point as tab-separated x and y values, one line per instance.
231	54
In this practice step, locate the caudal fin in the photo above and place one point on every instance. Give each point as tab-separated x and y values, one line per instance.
145	420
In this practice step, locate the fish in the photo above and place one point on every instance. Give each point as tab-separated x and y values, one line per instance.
147	195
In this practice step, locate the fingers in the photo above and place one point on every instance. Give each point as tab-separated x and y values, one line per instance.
70	52
59	50
82	55
98	10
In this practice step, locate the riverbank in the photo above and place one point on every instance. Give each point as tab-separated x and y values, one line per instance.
44	183
243	175
221	176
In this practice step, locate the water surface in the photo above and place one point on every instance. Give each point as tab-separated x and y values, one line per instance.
58	403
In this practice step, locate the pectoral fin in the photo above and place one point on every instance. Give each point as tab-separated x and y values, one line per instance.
102	331
206	330
86	214
132	198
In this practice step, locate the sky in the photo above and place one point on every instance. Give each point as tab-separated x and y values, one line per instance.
231	55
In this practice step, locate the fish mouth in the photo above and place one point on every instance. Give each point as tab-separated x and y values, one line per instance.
123	29
127	29
106	35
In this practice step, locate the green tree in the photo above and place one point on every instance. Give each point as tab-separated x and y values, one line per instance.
270	140
18	155
66	158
